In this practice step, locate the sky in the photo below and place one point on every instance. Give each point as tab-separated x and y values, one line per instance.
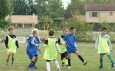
65	3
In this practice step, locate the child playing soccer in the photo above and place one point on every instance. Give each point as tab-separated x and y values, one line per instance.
70	40
103	46
62	44
50	51
11	43
32	49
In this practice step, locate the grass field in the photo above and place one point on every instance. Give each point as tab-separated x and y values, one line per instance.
86	50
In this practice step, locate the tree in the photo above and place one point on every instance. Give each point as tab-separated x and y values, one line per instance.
51	8
41	7
46	21
23	7
5	10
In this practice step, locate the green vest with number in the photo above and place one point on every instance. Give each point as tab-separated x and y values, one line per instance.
50	51
11	44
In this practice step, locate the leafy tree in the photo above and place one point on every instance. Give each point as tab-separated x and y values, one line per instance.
46	21
23	7
5	10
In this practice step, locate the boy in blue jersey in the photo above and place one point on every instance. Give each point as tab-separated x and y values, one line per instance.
70	40
32	49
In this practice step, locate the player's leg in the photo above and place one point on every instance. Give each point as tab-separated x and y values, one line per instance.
48	65
69	61
62	58
34	65
32	62
57	65
101	60
80	57
111	59
7	61
12	59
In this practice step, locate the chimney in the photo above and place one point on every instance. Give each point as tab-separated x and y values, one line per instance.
33	15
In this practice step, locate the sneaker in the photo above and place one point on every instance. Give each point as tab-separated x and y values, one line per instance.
100	67
69	67
29	68
58	69
85	62
6	63
63	64
34	67
112	65
12	65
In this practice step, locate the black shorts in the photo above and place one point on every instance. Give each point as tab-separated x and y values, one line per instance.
63	55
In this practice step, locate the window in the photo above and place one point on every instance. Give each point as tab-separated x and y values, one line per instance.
111	13
94	14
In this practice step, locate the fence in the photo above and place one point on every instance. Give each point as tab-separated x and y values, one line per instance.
88	37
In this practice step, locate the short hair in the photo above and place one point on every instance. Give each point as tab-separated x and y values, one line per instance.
104	29
35	31
51	32
10	28
65	28
72	28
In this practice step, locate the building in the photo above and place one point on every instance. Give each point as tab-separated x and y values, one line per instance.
96	13
23	21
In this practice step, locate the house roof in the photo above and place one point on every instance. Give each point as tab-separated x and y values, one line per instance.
30	19
100	7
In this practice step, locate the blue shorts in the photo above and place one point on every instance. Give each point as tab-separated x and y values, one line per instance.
32	54
69	51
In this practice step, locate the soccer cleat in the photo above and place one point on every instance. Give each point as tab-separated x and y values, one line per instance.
69	67
58	69
29	68
85	62
63	64
6	63
100	67
34	67
112	65
12	65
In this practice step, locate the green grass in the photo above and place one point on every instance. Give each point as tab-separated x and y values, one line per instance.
86	50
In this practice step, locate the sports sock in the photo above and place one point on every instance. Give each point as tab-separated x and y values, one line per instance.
66	61
111	59
12	60
57	64
48	66
69	62
7	60
81	58
101	62
31	64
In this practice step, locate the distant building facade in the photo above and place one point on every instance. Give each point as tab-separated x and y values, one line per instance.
23	21
96	13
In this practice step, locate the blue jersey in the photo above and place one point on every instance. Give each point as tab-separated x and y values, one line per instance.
31	47
70	40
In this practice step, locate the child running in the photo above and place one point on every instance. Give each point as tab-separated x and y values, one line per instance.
28	38
70	40
32	49
11	44
103	46
51	51
62	44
